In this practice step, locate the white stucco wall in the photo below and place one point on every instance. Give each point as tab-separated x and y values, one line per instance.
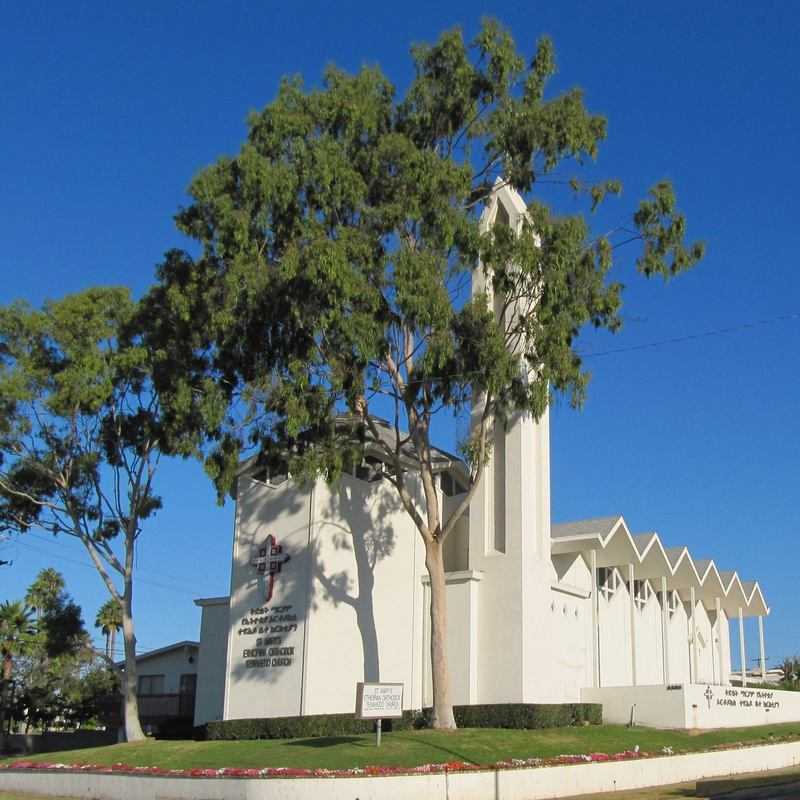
256	691
463	637
695	706
517	633
724	633
351	591
731	707
652	706
365	601
679	640
211	662
649	643
706	658
171	665
615	638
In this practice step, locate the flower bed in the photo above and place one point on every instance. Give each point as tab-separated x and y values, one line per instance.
295	772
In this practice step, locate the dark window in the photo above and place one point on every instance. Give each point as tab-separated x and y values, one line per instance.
607	581
151	684
273	476
450	486
641	593
370	470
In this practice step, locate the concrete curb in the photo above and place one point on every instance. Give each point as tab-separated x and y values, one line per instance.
505	784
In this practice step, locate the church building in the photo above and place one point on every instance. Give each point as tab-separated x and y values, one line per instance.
329	588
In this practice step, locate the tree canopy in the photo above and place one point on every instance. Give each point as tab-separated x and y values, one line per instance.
81	435
334	249
51	667
333	242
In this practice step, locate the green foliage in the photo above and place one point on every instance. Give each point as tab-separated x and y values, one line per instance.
791	671
415	748
17	632
528	715
46	592
82	432
50	658
88	700
297	727
507	715
332	241
80	418
109	620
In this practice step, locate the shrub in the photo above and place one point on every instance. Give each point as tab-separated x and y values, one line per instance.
301	727
506	715
178	728
528	715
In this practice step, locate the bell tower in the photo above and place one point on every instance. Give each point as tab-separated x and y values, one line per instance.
509	522
515	490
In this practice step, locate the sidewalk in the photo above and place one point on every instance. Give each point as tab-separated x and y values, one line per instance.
757	785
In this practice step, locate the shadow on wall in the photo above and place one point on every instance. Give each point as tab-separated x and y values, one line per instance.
260	506
357	519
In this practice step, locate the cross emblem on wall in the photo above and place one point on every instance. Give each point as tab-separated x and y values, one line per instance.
709	695
268	562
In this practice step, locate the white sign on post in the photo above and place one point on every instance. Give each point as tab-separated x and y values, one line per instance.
379	701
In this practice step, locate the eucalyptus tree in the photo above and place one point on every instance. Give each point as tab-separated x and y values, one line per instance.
332	249
81	437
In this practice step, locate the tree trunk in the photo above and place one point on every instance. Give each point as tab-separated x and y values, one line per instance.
5	685
133	727
442	706
112	642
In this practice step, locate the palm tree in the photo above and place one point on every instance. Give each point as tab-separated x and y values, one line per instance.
17	628
109	620
45	591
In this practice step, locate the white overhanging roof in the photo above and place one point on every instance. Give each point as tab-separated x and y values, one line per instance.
615	546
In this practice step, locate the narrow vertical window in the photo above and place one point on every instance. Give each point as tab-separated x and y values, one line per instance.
499	470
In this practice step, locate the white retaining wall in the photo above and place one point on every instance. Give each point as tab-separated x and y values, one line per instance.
695	706
521	784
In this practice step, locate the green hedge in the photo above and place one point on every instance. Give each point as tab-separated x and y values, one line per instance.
528	715
301	727
506	715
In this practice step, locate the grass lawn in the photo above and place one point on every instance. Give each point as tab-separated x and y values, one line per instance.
25	796
412	748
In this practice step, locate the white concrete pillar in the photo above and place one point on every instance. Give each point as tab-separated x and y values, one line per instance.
720	659
595	622
761	651
693	647
633	624
742	655
665	628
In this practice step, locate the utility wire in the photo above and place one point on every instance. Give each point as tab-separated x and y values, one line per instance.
745	326
63	543
694	336
184	591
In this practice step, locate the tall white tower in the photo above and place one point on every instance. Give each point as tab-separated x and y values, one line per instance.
509	523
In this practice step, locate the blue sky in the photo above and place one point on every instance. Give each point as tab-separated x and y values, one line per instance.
108	110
